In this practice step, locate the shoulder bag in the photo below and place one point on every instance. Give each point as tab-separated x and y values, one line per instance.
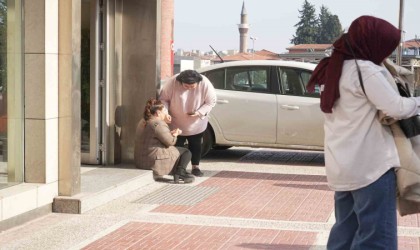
410	126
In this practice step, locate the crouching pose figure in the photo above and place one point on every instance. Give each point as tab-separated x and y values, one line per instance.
154	147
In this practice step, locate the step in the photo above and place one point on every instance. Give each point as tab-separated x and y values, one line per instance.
102	185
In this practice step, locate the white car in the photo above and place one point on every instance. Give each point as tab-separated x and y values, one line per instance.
263	103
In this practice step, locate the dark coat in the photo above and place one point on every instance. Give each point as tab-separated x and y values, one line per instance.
154	147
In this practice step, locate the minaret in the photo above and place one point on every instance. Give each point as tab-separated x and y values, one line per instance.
243	30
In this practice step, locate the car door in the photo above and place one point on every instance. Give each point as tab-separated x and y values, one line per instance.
245	110
300	120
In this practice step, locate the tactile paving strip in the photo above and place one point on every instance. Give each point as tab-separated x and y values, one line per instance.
284	157
178	195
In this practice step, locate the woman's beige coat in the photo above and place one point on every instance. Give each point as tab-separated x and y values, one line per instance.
408	175
154	147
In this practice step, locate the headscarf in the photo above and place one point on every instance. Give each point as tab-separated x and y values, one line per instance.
370	38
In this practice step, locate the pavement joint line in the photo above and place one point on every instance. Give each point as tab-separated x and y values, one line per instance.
240	197
147	208
409	231
300	205
99	235
331	220
219	221
321	240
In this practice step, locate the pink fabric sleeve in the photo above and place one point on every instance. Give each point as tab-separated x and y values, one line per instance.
209	98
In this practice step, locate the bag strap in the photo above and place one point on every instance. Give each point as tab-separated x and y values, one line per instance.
359	73
402	88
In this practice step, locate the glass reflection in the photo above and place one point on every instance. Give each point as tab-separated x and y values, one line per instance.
85	75
3	93
11	92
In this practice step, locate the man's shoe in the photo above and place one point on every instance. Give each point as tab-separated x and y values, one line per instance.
197	172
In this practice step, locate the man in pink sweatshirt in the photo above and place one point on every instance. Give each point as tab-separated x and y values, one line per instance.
189	97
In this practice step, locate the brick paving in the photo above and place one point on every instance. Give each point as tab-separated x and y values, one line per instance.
258	196
136	235
263	196
247	199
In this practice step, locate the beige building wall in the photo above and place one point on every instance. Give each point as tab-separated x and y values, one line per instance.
52	95
167	37
41	152
41	91
140	65
69	115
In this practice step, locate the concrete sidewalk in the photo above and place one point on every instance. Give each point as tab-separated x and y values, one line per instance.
265	199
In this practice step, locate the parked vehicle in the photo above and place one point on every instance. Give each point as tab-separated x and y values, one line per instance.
263	103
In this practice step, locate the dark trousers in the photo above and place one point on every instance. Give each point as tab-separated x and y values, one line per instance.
184	157
194	145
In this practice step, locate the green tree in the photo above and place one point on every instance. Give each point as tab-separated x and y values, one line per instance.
307	27
329	26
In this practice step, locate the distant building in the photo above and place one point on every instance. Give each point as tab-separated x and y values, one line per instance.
184	62
412	47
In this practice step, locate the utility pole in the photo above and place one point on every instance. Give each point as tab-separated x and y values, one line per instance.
253	38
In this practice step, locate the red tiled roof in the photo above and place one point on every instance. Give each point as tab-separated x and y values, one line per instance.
207	57
265	52
258	55
407	44
412	44
310	46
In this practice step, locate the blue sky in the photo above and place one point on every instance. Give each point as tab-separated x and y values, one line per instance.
200	23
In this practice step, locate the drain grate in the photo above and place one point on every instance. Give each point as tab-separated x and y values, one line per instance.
178	195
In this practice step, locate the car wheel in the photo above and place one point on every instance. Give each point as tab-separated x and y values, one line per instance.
221	147
207	142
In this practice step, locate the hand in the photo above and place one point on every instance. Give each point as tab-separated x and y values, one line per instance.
176	132
168	119
194	114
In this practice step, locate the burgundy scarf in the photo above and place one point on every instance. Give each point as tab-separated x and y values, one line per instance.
370	38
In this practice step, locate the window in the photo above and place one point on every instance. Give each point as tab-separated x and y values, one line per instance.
217	78
294	82
253	79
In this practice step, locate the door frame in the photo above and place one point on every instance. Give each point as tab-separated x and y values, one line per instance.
97	84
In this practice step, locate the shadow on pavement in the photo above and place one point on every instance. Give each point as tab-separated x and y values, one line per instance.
227	155
291	179
267	156
278	246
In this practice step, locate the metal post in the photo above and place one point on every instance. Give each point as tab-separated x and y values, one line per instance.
253	41
400	26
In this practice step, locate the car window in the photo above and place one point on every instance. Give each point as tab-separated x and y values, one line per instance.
241	81
305	76
294	82
253	79
217	78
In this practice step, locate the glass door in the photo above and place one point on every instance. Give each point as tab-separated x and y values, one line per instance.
11	94
92	80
